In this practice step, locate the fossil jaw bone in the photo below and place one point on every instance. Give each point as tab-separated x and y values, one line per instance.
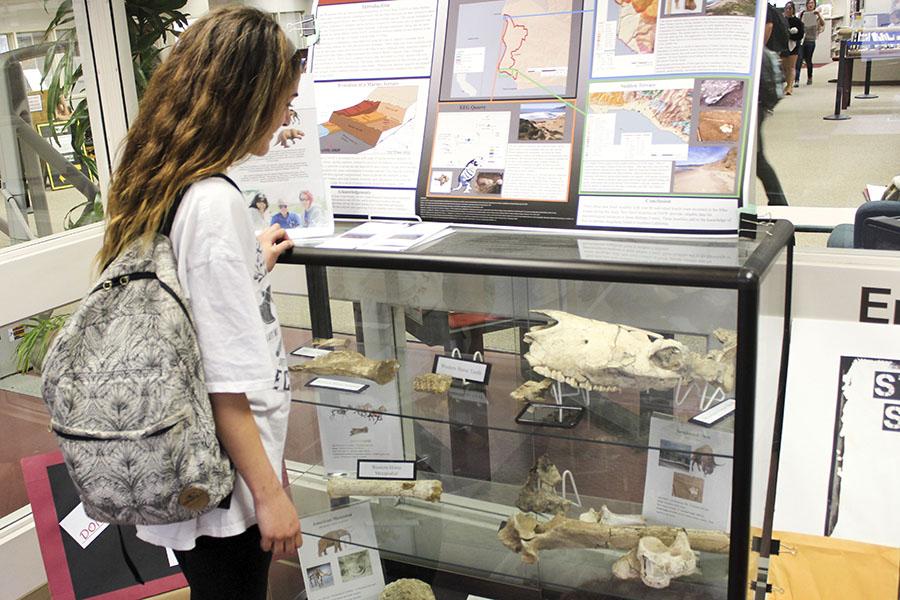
524	535
531	391
656	563
351	364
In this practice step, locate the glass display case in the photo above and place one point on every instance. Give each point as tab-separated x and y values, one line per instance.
578	412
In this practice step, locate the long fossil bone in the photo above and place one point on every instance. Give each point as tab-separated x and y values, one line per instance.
351	364
524	535
656	563
424	489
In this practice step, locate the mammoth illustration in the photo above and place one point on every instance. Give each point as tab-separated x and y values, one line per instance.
332	539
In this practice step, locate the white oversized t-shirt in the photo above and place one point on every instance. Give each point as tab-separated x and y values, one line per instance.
224	277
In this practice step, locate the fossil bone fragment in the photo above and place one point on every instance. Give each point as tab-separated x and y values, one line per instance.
539	492
607	357
524	535
531	391
407	589
424	489
432	383
656	563
718	364
351	364
330	343
608	517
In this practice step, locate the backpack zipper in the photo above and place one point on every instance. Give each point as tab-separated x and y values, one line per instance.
87	438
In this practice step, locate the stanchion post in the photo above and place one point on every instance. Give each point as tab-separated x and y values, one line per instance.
839	90
866	95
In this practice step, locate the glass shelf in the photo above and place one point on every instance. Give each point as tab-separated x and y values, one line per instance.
459	534
610	419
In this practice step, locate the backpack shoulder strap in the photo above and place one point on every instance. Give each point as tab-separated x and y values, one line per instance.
165	227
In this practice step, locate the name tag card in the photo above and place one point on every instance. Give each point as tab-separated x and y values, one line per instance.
459	368
711	416
81	527
386	469
307	352
337	384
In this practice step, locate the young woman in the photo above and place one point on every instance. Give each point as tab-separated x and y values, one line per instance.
219	97
259	212
789	56
813	24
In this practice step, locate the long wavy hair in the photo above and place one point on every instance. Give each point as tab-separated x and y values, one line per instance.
206	108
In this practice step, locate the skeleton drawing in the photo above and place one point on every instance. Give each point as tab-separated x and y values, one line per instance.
358	431
464	180
333	539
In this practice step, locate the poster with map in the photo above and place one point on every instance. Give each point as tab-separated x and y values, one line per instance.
597	114
511	49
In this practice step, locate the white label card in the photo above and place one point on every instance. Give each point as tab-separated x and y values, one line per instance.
307	352
337	384
170	556
458	368
81	527
715	414
384	469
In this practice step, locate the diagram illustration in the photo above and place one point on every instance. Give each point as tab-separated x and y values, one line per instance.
355	129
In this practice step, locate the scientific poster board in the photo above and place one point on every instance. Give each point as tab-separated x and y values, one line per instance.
603	114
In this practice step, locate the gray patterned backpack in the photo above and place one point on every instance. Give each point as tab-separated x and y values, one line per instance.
123	382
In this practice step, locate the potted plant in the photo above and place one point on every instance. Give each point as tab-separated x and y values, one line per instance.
150	23
39	333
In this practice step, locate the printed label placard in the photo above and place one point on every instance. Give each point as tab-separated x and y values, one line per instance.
81	527
459	368
337	384
307	352
715	414
386	469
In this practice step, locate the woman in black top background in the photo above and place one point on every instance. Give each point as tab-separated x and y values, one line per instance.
789	56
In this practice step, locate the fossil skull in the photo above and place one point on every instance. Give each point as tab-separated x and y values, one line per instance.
601	356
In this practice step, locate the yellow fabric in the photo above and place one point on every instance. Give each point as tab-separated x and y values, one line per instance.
833	569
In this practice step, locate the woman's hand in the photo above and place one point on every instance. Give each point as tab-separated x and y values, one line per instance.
278	522
274	242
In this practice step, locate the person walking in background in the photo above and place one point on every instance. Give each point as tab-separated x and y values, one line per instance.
259	212
764	170
789	56
813	24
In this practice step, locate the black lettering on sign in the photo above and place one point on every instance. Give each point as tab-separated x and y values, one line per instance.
866	304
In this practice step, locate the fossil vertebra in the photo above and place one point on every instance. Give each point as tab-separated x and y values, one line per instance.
531	391
608	517
432	383
524	535
407	589
539	492
607	357
425	489
656	563
351	364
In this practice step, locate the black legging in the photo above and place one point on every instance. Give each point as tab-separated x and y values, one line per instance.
764	170
224	568
806	53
